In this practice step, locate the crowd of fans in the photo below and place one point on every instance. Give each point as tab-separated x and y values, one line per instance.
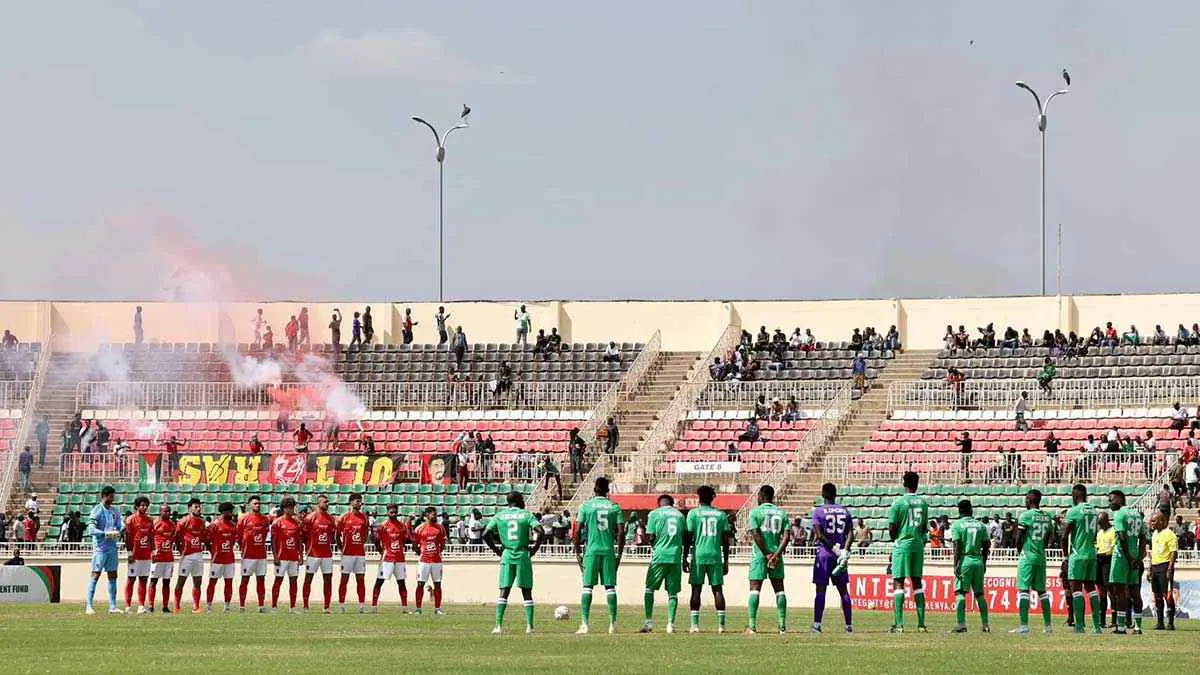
769	351
1070	344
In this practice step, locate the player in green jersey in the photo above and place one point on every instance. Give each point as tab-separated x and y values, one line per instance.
908	524
602	521
1125	578
1139	569
1033	529
707	539
507	534
769	528
1079	549
971	547
664	529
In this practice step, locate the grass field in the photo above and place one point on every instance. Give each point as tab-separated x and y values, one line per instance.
42	639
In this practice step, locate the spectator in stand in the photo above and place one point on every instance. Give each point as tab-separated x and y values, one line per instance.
1012	339
335	331
1026	338
752	434
763	342
856	340
576	447
1052	445
1191	477
19	528
256	324
797	339
799	536
368	325
366	443
1179	417
269	339
777	411
858	369
761	410
965	446
459	346
291	331
1160	337
1110	335
1131	337
732	453
1181	335
987	337
948	339
793	410
862	535
955	379
303	327
32	524
138	335
504	379
463	460
3	527
612	353
810	342
892	341
524	324
541	344
612	436
562	527
355	332
256	445
302	436
554	344
1045	379
120	448
103	436
475	528
406	329
32	506
1020	410
42	432
440	319
16	560
550	473
717	369
74	527
25	466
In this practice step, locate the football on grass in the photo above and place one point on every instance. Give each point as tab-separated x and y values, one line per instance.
561	613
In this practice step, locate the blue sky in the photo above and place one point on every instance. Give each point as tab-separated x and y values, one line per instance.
617	150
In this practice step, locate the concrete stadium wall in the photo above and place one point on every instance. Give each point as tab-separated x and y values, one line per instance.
685	325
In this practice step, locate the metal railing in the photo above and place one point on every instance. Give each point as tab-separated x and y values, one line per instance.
836	414
992	468
737	395
9	471
1154	484
14	393
630	380
1120	392
373	395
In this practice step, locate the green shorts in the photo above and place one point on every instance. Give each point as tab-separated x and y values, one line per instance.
600	569
1080	568
759	570
713	572
664	574
969	580
907	564
1122	572
1031	575
516	573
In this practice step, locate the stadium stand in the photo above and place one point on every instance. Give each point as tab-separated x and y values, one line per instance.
1181	360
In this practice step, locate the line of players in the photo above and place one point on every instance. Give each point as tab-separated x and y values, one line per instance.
153	544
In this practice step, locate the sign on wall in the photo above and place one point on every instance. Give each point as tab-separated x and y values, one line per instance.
33	584
287	469
707	467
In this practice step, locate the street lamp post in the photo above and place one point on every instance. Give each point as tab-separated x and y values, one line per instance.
440	140
1041	110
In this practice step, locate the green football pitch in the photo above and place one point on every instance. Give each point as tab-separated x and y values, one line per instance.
58	639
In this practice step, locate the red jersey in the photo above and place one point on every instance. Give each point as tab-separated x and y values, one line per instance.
354	528
303	436
192	533
393	538
222	535
139	533
430	541
252	536
318	535
164	540
287	535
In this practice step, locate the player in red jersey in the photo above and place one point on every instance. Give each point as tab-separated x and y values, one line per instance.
191	535
393	538
252	531
319	532
222	537
429	539
139	539
287	550
353	529
164	557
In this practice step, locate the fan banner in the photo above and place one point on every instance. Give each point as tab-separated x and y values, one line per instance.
287	469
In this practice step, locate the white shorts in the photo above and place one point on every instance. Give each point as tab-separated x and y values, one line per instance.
140	568
429	572
191	565
289	568
354	564
253	567
163	570
313	565
393	570
222	570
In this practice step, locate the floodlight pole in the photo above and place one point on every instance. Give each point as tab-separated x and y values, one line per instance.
1041	110
440	140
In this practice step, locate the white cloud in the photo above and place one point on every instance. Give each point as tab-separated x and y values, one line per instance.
409	54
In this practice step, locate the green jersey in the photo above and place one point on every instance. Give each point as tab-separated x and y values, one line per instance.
1037	525
512	527
601	517
971	534
707	526
1083	520
1129	521
772	522
910	515
666	524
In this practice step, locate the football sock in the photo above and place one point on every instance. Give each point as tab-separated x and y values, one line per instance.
166	592
1097	609
960	609
1137	620
1023	608
1120	620
898	605
195	594
142	592
342	589
694	616
721	618
437	597
1128	612
819	605
153	592
261	588
375	595
612	605
403	594
753	610
919	595
1171	610
420	595
292	583
307	589
781	609
585	605
112	593
1077	610
327	589
245	586
672	607
91	590
275	591
501	605
212	587
228	591
360	585
179	593
1045	606
648	604
128	591
529	613
847	606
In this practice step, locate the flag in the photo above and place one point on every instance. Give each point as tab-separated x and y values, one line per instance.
148	468
439	468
